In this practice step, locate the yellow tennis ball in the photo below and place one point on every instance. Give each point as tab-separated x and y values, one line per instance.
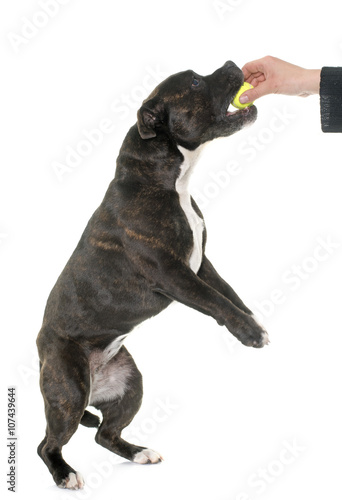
236	103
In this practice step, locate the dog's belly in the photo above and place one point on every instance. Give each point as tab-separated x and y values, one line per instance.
110	372
196	223
99	302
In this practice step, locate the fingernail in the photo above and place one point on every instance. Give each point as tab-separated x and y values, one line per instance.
243	99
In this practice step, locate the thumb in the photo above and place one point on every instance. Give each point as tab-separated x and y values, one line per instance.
253	94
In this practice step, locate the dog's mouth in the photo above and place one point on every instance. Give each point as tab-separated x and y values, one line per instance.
233	114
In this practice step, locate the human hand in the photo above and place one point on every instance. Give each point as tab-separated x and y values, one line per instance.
270	75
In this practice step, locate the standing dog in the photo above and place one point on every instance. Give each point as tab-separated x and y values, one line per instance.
142	249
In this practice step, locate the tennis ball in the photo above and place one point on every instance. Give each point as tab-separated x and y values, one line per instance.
236	103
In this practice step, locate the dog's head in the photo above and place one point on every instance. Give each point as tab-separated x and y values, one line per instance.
193	109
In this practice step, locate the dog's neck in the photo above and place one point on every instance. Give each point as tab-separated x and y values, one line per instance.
190	160
174	166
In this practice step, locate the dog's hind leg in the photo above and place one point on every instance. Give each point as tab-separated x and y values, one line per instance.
119	399
64	382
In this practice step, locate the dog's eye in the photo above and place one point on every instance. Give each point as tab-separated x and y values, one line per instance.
195	82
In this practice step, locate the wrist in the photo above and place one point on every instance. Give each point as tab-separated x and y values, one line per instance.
310	82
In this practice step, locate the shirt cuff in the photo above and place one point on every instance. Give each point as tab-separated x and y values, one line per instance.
331	99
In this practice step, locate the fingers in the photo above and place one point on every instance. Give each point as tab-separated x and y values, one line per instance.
258	91
256	68
256	73
255	79
271	75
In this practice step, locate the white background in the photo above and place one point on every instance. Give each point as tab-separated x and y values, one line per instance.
224	416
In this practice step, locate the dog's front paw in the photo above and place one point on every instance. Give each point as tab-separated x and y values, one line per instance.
262	341
250	332
265	340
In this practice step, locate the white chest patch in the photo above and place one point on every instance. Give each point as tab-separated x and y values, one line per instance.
196	223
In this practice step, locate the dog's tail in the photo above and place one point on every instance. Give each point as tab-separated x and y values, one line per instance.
90	420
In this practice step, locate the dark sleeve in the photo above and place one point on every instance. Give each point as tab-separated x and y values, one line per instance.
331	99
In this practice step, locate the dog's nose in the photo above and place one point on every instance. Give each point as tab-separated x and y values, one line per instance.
229	64
229	68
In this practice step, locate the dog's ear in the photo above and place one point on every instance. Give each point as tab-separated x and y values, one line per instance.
150	115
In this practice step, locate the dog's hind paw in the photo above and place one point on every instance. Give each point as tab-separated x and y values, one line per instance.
147	456
74	481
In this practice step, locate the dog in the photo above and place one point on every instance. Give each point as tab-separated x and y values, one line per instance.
143	248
